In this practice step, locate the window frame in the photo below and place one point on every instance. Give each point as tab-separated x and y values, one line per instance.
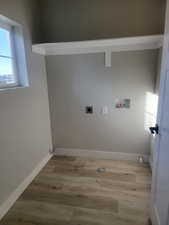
13	57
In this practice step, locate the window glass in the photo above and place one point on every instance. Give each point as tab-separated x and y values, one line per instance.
5	45
7	75
6	71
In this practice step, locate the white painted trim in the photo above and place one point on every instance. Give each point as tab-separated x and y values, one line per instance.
98	154
39	49
106	46
154	216
95	46
108	58
4	208
151	162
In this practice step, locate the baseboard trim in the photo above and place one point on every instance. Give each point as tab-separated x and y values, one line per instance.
4	208
98	154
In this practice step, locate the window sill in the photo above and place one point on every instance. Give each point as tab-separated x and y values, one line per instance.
12	88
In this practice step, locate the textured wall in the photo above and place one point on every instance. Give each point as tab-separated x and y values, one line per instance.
25	136
63	20
80	80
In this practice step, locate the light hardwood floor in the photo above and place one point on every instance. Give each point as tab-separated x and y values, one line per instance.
70	191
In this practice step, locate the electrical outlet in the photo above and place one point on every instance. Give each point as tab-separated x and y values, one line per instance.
89	109
104	110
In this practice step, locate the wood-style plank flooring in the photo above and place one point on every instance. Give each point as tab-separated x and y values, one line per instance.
70	191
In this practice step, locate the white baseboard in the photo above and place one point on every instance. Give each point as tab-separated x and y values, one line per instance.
98	154
4	208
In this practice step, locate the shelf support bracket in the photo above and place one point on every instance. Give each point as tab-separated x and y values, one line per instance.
108	58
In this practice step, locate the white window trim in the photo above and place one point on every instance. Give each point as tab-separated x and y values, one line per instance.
14	61
5	25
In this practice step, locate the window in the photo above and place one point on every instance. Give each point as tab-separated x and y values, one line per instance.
8	70
13	69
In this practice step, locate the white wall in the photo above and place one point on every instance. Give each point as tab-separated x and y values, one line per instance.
25	137
80	80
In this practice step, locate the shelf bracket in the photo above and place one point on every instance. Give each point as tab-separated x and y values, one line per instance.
108	58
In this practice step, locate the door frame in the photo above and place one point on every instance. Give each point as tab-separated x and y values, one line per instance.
163	77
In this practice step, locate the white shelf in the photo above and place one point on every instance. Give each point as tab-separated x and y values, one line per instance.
106	46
